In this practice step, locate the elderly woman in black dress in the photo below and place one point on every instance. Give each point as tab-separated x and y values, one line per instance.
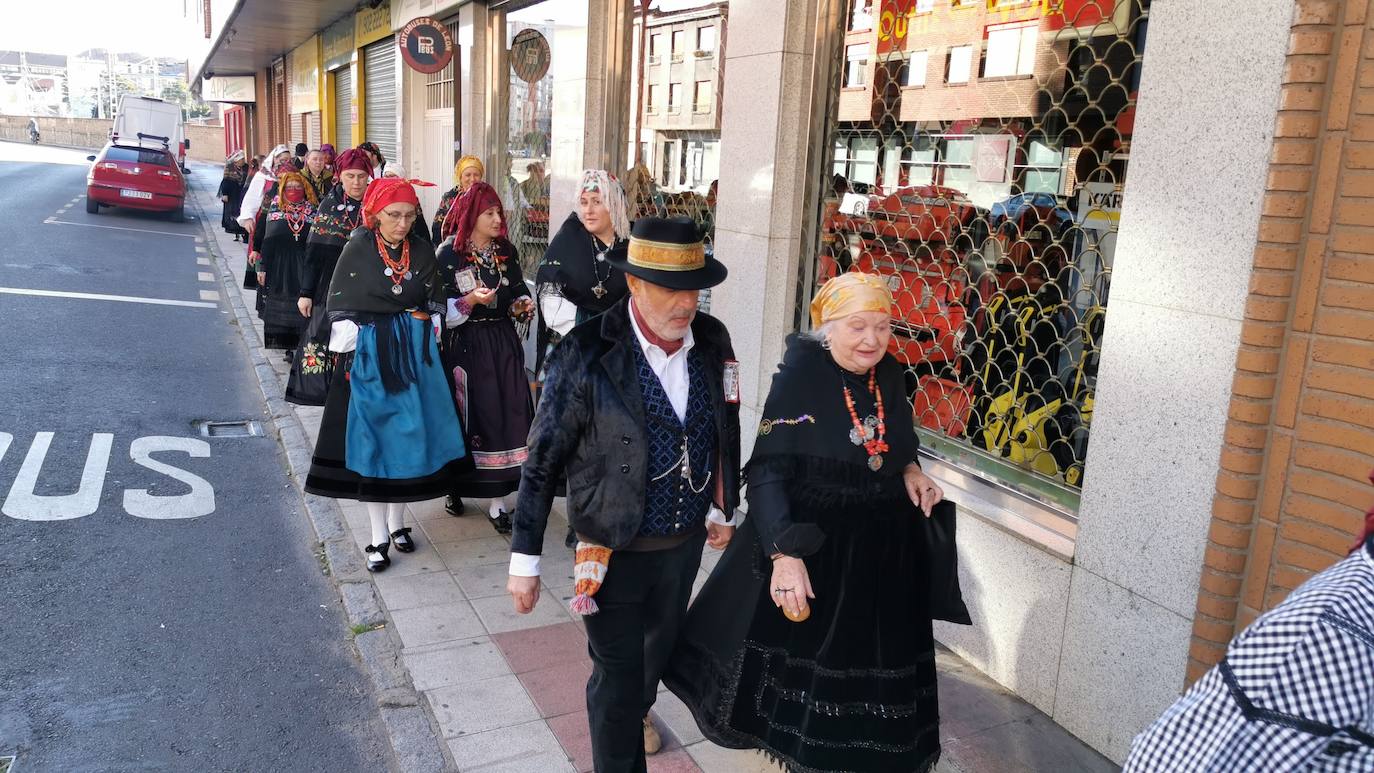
829	664
487	296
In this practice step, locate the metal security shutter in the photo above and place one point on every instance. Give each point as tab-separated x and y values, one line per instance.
297	130
343	109
379	64
312	130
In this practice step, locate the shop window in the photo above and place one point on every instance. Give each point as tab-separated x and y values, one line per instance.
856	66
706	41
959	65
861	15
917	67
675	97
924	6
701	100
1010	51
996	231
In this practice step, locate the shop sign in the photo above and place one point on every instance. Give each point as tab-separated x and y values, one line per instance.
229	88
337	40
304	66
990	158
371	24
530	56
1099	206
426	45
894	19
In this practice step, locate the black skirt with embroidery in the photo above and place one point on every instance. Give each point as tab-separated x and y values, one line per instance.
852	688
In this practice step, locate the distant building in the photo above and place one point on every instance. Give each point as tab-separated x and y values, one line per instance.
33	84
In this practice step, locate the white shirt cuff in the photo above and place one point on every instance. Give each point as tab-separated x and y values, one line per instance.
454	318
343	336
524	565
716	516
560	315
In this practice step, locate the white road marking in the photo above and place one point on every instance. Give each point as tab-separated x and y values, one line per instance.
209	295
5	440
205	276
200	250
119	298
201	501
51	221
24	505
202	261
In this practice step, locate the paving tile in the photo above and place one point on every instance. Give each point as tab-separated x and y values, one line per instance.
717	759
430	510
558	690
674	716
476	707
424	560
575	735
475	552
423	626
483	581
543	763
498	614
1035	744
457	529
710	557
506	745
971	703
672	761
420	590
552	645
459	662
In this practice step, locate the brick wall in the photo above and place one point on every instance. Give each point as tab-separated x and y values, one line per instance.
1299	443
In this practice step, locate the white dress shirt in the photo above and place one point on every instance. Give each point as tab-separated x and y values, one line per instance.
671	370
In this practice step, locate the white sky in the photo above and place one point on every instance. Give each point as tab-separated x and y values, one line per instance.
154	27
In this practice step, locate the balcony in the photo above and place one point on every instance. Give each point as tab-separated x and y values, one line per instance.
702	54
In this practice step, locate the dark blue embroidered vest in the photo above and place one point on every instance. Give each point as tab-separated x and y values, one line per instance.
672	504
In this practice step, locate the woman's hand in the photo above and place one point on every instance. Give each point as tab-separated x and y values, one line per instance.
482	296
923	491
522	309
224	199
305	305
791	586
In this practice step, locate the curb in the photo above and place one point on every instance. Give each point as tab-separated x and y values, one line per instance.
410	724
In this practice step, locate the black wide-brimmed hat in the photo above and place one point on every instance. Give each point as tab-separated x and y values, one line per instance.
668	252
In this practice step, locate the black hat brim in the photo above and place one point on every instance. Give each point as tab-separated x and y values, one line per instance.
710	275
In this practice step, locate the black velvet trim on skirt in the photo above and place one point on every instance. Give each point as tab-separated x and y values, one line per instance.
853	688
486	363
330	477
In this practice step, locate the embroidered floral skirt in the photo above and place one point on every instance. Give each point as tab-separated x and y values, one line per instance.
492	392
852	688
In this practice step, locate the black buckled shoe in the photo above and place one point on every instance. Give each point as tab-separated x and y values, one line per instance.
501	523
454	505
377	559
402	540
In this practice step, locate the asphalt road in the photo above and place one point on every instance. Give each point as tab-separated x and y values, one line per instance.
146	635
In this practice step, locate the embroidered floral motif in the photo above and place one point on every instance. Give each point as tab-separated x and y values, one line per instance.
313	359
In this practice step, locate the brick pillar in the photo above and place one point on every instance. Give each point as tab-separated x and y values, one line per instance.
1291	489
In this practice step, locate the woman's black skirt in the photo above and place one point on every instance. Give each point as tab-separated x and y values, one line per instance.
492	393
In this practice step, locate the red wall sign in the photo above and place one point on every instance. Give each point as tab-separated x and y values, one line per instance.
426	44
894	19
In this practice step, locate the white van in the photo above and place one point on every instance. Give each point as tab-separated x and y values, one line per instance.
151	122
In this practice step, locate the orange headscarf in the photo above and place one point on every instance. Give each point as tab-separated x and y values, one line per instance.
850	293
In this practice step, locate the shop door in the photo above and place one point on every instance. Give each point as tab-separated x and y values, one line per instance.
234	130
343	109
379	65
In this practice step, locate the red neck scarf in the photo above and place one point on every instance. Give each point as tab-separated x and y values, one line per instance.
669	347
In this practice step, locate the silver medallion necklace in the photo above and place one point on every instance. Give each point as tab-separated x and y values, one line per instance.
600	252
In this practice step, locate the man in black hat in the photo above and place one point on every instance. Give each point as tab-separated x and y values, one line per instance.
640	411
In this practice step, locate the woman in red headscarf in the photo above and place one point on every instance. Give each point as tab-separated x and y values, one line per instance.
487	297
389	434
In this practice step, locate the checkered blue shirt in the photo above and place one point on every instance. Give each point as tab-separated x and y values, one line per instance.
1295	691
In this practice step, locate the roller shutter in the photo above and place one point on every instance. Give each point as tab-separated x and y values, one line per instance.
343	109
379	63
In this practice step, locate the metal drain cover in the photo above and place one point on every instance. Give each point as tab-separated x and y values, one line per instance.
228	429
6	763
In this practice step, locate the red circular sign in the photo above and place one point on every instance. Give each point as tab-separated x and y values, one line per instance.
426	44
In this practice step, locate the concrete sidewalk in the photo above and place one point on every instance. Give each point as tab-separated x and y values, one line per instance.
507	691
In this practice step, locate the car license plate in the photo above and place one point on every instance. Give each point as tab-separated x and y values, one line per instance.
128	194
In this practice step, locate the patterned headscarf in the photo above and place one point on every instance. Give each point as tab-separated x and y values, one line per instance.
385	191
463	217
293	176
352	158
464	163
612	195
850	293
283	167
328	151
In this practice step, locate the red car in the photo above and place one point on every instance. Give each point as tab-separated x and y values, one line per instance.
136	177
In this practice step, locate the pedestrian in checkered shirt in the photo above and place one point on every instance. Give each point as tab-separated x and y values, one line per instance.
1295	691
